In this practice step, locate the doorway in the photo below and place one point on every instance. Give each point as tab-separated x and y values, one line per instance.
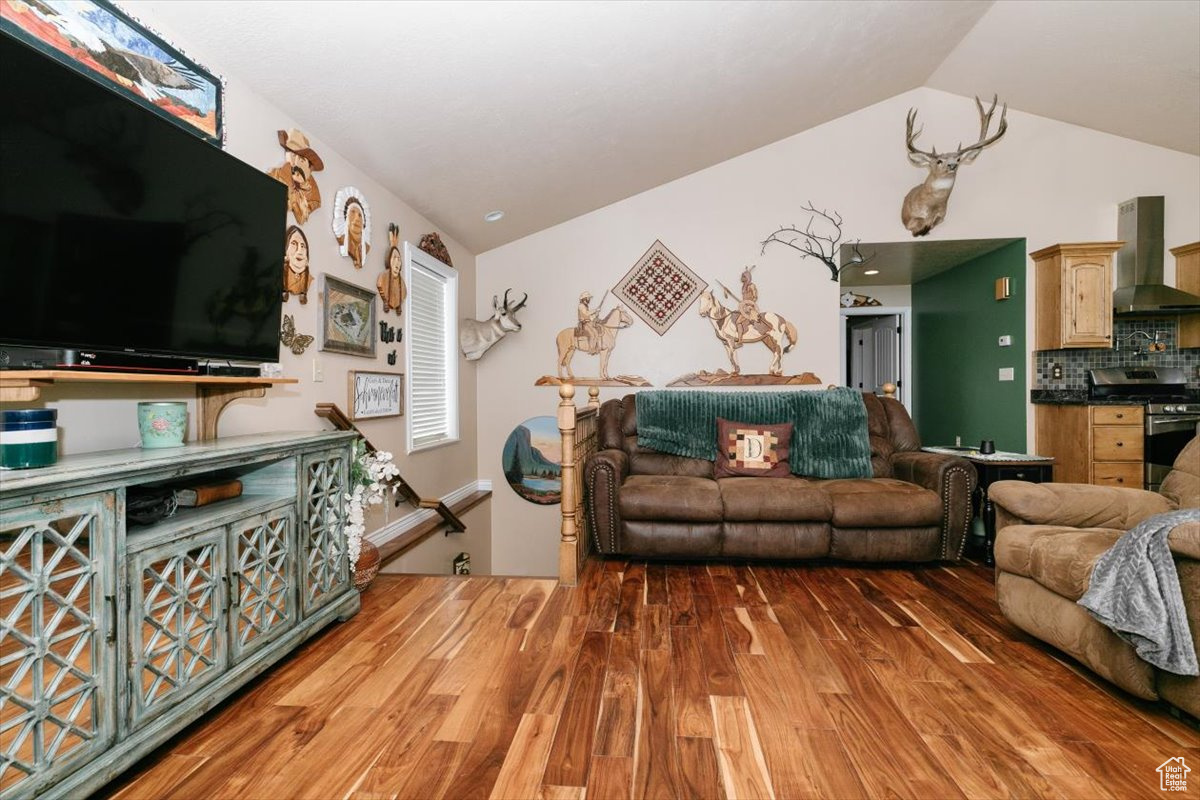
959	355
876	349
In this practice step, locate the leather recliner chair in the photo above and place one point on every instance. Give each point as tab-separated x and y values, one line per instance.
644	503
1049	537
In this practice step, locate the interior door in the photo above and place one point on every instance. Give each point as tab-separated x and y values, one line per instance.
875	353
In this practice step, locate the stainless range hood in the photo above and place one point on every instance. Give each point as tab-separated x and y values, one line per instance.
1140	287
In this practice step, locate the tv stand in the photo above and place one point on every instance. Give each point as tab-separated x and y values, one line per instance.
213	393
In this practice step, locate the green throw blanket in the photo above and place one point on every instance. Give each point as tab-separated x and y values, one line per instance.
829	437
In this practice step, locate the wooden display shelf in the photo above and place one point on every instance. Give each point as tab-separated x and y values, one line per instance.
213	392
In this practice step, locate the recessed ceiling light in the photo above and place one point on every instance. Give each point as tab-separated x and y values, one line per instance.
493	216
870	272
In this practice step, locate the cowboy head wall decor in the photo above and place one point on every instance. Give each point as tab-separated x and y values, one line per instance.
352	225
296	173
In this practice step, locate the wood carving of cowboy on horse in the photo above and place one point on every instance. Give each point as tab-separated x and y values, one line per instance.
594	335
748	324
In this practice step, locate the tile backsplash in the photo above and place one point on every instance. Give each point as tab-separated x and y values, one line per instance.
1130	350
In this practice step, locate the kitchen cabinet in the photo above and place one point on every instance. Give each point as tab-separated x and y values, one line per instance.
1187	279
1099	444
1073	295
116	635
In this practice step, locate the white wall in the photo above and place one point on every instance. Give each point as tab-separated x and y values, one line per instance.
1046	181
99	417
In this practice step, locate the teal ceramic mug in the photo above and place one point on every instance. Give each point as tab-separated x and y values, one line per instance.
162	424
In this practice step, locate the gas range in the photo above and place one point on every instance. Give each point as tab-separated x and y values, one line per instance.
1178	407
1160	389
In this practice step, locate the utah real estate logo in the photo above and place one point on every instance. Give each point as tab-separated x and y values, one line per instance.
1172	775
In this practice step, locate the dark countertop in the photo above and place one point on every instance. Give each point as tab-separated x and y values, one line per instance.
1079	397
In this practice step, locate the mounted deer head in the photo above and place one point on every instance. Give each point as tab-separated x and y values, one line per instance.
475	336
925	205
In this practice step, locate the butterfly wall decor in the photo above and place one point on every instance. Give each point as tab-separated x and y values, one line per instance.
298	342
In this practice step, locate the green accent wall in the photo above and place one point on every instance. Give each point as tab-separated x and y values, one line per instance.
957	323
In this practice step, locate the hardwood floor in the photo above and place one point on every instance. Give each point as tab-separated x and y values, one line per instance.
686	681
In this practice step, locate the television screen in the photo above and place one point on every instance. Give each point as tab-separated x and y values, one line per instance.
120	231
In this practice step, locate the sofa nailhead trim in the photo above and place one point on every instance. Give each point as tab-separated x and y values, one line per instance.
947	487
610	478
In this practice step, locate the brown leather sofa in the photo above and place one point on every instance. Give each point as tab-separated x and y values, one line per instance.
648	504
1049	537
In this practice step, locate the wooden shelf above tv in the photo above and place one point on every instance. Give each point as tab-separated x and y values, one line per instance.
213	393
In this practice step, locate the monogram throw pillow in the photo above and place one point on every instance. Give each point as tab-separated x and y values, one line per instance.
753	450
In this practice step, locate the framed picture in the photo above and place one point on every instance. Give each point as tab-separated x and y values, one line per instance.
376	394
347	318
99	40
532	460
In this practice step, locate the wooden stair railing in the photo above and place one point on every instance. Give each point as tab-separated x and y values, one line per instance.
406	492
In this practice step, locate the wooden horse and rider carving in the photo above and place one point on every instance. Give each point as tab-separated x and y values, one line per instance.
594	335
746	325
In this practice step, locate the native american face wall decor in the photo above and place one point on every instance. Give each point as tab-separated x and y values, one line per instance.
352	225
296	173
391	282
296	277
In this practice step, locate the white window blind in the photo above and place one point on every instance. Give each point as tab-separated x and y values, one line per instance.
432	356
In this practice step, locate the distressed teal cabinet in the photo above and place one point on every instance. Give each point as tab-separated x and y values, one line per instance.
326	570
57	639
114	637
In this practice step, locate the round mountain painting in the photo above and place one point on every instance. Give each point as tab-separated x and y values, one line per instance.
532	459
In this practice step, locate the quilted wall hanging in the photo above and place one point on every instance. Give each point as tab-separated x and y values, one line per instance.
659	288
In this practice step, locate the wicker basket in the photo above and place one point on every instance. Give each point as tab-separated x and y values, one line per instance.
367	567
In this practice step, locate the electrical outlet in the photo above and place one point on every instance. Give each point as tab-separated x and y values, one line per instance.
318	371
1056	372
1006	341
1006	373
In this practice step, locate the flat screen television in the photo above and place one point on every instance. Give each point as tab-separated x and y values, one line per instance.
121	232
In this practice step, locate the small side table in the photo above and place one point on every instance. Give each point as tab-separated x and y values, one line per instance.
999	467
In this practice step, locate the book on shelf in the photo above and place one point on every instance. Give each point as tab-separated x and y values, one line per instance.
208	493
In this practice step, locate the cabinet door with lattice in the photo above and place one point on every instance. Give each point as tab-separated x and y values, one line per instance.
177	633
57	639
262	571
324	567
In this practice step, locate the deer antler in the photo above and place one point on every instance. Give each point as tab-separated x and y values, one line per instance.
810	243
919	158
985	121
519	305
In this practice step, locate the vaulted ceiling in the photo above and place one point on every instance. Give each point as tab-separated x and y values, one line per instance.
550	110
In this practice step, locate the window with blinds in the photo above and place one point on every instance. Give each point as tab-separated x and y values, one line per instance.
431	334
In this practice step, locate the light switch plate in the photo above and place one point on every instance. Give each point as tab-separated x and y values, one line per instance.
318	371
1006	373
1006	341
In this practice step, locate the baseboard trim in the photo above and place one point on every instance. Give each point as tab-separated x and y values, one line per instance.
418	517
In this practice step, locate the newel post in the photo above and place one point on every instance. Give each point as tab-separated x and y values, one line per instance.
567	562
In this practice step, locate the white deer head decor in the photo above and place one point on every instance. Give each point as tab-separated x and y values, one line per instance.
925	205
475	336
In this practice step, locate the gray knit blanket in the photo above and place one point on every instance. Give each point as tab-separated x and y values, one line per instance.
1134	591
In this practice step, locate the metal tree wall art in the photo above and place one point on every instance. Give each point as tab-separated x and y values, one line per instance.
812	243
925	204
475	336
